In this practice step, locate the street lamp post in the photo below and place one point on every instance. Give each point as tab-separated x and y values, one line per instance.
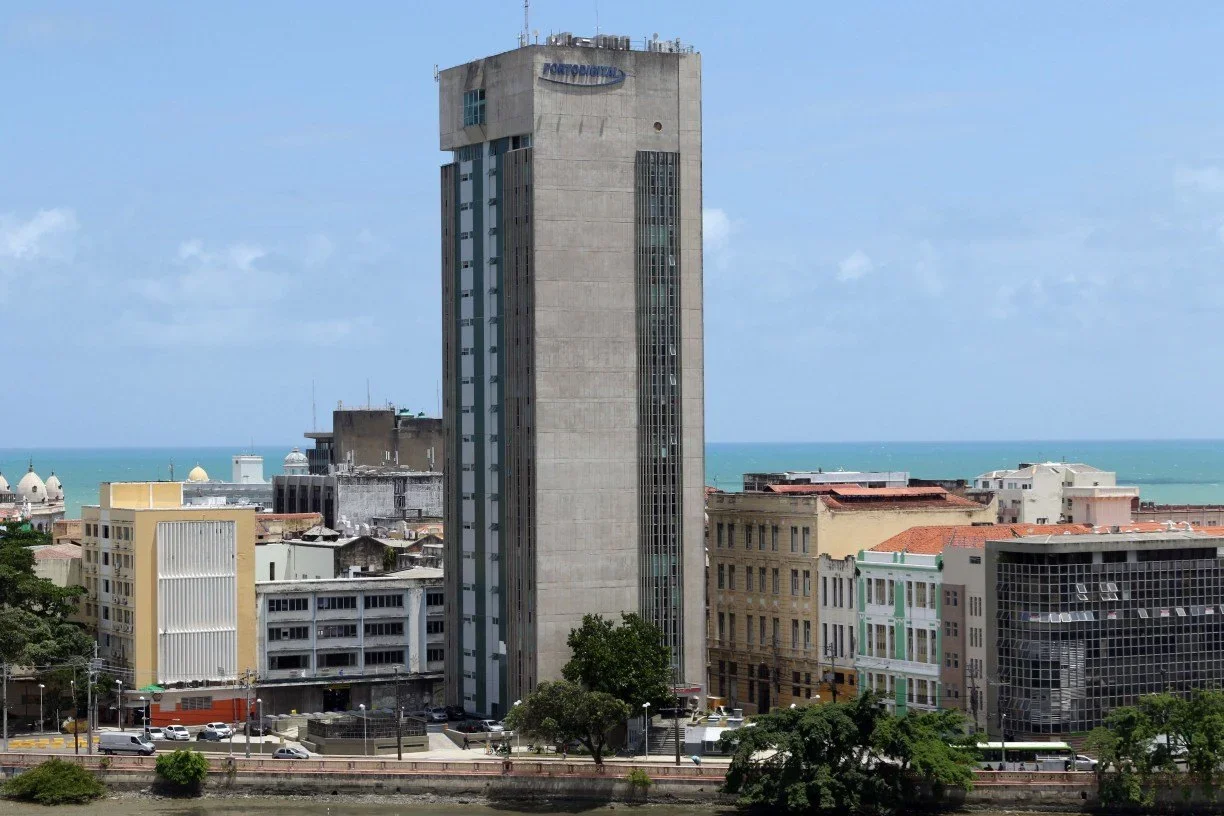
142	712
646	717
42	717
119	685
76	738
399	719
259	714
517	703
365	732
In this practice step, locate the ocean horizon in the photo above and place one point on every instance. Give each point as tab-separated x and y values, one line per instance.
1167	471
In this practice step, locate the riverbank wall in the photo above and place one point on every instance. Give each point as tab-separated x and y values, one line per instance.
524	781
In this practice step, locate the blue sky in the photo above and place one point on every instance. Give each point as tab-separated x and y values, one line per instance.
923	221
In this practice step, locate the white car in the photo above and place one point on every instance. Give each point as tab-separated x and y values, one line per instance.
1085	763
154	732
221	728
176	732
290	752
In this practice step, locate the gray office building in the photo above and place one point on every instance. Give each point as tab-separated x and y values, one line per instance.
1083	624
572	355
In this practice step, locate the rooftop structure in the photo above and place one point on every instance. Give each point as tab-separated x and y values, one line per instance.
761	481
376	437
1057	492
33	500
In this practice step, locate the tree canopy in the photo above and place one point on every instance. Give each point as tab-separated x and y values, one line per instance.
631	662
851	757
1160	734
561	711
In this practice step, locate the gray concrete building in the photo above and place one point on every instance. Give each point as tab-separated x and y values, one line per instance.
376	437
364	501
573	385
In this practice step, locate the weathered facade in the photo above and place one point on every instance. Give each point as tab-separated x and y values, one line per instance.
377	437
372	497
573	389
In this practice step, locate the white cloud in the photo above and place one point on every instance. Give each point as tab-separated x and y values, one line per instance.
47	235
207	277
717	229
1206	179
854	266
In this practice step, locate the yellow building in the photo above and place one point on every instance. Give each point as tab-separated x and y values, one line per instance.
171	589
767	582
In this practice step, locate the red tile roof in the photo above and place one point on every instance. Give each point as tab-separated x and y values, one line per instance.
57	551
854	497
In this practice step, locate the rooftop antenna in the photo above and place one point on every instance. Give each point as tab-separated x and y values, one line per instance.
314	417
524	37
596	18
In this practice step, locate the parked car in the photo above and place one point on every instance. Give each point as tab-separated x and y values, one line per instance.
1085	763
289	752
224	729
457	713
256	728
210	734
470	727
154	732
492	726
438	714
125	742
176	732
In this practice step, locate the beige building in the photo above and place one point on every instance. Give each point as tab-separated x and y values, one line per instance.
765	588
171	589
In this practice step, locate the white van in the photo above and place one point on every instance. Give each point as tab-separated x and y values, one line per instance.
125	742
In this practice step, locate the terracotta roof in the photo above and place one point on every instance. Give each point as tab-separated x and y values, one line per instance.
269	516
710	489
934	540
57	551
896	498
806	489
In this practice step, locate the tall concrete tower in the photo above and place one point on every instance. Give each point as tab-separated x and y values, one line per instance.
572	355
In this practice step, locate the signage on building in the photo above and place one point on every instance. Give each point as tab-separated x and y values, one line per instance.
583	75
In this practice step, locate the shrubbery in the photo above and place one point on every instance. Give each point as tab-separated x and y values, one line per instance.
55	782
183	771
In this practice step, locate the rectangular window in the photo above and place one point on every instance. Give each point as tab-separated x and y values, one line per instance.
337	602
761	582
731	628
435	654
807	583
474	107
773	538
338	660
338	630
722	626
718	535
384	658
730	536
794	582
384	601
794	539
748	630
807	539
807	634
731	577
748	536
777	632
794	634
762	625
824	590
288	604
433	598
951	629
761	537
748	579
391	628
283	661
195	703
288	632
722	576
920	590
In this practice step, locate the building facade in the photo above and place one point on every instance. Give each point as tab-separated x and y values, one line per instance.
364	499
573	385
760	481
1084	624
334	644
1058	492
901	597
1196	515
376	437
169	587
766	591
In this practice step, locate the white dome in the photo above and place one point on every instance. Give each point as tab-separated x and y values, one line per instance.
31	487
296	457
55	490
197	474
4	485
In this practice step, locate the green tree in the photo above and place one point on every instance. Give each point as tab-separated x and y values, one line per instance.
845	757
54	782
561	711
35	615
183	771
631	662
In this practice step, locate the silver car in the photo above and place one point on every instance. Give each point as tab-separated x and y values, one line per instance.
290	752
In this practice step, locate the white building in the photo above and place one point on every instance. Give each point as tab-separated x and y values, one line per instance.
900	602
333	644
837	639
1058	492
33	500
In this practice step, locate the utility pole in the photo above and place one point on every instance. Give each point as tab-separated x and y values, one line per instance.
399	720
831	653
91	677
676	712
4	675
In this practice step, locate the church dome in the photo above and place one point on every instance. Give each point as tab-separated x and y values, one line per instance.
197	474
4	485
55	490
31	487
296	457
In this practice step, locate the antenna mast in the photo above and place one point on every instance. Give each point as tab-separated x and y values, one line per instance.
524	38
